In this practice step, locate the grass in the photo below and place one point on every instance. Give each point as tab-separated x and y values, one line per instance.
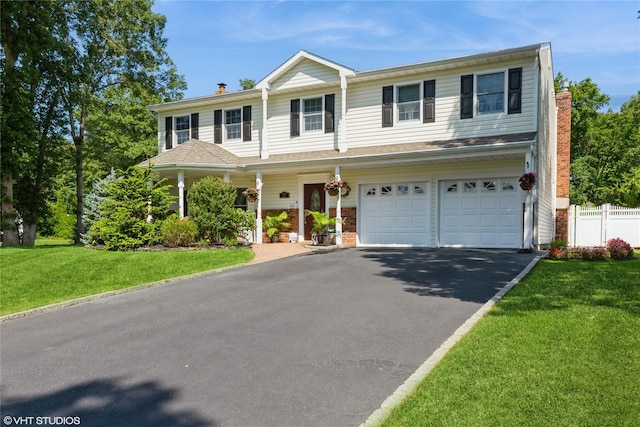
41	275
561	349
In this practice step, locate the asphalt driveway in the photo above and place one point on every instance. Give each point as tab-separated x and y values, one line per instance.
318	339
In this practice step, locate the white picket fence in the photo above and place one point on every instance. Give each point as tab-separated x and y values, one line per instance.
594	226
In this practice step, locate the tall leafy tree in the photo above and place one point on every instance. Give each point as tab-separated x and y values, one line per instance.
116	44
605	147
32	142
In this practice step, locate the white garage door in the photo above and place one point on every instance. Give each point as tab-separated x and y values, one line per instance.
482	213
394	214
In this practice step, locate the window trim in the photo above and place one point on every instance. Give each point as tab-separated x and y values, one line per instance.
396	104
187	129
303	115
225	124
511	92
476	95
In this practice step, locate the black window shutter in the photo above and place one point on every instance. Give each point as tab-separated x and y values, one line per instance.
195	125
168	132
295	117
387	106
246	123
466	96
217	126
429	101
515	90
329	113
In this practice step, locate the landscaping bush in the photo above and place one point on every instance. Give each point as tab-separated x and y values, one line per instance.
211	207
178	232
132	211
619	249
597	253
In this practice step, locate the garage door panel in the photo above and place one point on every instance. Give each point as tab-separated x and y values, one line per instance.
489	221
480	213
401	211
469	203
468	220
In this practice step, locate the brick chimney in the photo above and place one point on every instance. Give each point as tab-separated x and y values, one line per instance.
222	88
563	103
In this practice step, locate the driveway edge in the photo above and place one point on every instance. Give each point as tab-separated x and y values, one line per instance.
89	298
381	414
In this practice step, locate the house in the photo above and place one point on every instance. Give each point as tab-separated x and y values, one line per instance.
432	152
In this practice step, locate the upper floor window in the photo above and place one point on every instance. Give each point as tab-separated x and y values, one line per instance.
491	93
233	123
488	93
312	114
409	102
236	123
182	129
412	101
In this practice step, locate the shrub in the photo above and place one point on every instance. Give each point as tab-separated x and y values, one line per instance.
597	253
132	211
619	249
556	253
559	244
211	203
178	232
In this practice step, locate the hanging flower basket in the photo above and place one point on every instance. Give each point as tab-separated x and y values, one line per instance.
334	187
251	194
527	181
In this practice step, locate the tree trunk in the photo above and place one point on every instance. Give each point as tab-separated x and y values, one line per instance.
9	230
79	144
29	234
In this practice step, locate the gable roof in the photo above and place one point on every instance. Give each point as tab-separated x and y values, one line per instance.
295	59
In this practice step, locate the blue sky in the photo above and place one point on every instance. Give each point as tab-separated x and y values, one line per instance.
224	41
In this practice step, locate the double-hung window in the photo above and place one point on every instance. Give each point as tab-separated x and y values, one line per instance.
312	114
233	123
491	93
182	129
409	102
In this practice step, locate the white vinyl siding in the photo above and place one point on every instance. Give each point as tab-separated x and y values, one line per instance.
364	119
305	73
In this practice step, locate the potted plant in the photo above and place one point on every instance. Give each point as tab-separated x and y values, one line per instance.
334	186
527	180
273	223
323	231
251	194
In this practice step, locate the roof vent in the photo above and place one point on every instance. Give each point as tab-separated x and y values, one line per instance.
565	85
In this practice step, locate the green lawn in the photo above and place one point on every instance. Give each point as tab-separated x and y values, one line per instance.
41	275
561	349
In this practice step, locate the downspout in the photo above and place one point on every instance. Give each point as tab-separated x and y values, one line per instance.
342	127
264	151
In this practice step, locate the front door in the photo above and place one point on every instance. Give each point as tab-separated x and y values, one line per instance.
313	201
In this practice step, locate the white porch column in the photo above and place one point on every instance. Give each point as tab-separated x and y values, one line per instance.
342	126
264	150
338	212
259	208
527	239
181	193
